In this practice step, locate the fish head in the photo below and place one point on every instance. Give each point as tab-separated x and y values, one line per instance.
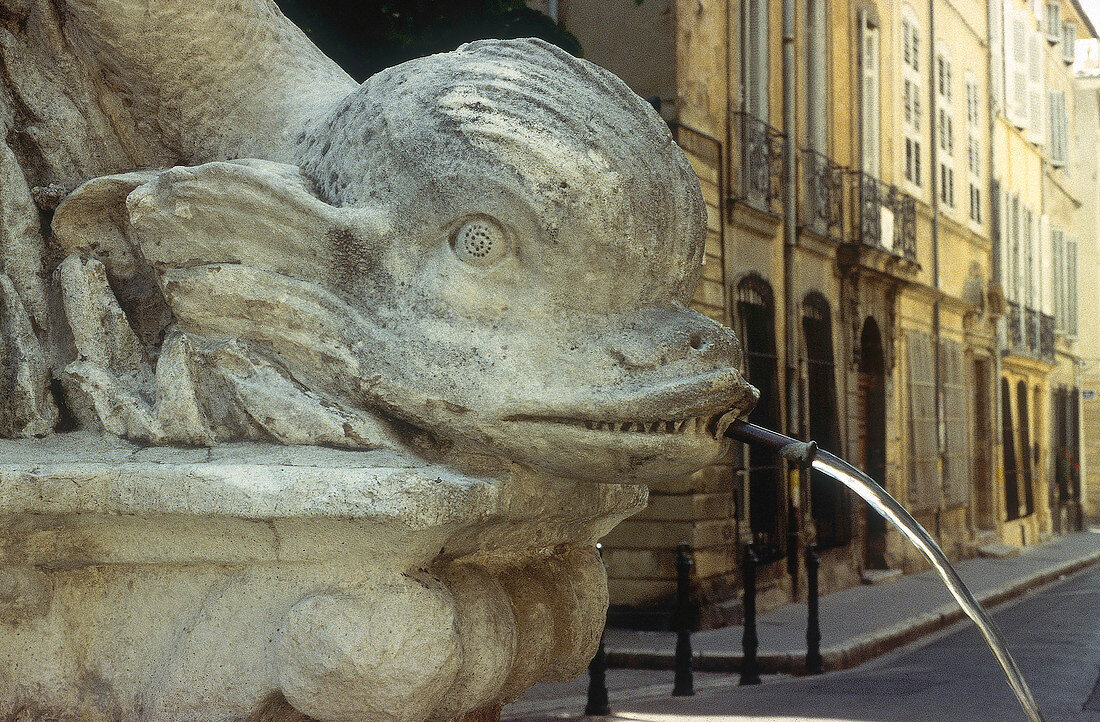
546	235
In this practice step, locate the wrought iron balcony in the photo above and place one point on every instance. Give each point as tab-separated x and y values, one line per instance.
822	194
1012	325
1029	332
883	216
761	171
1046	337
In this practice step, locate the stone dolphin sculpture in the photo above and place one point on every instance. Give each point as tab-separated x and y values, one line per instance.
491	249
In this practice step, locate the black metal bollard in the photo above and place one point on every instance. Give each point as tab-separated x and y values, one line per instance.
813	628
683	685
598	703
750	673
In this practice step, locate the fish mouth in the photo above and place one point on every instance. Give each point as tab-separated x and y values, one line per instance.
703	425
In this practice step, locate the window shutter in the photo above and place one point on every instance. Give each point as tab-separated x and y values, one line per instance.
1045	300
924	485
1016	70
956	477
1069	42
869	98
996	76
1071	283
1035	91
1058	277
1054	21
1058	130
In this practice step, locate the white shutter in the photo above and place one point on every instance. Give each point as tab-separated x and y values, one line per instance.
1058	276
1036	94
1016	52
997	12
1069	42
1071	283
1045	300
869	98
1056	106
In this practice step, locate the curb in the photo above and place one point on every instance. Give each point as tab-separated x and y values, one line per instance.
858	650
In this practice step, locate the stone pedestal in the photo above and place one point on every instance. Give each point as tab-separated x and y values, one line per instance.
252	581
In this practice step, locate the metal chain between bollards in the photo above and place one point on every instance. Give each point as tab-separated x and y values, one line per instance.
683	685
598	703
750	674
813	627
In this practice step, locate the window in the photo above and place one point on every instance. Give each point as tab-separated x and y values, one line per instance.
1035	90
756	312
828	500
817	74
945	129
1016	65
1061	289
1071	288
1014	243
911	95
1028	258
1058	143
1069	42
755	54
1053	23
869	93
973	147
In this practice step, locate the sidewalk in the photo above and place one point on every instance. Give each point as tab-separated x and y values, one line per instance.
857	624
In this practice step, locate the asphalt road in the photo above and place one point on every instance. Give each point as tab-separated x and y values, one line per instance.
1053	632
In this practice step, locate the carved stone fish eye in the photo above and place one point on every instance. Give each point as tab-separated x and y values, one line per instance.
480	242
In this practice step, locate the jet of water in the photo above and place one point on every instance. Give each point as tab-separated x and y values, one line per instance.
807	454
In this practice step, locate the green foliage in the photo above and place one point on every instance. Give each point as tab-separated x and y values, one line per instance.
365	37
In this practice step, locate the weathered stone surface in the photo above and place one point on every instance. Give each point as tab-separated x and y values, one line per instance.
359	585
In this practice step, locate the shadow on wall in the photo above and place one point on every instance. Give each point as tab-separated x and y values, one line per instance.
365	37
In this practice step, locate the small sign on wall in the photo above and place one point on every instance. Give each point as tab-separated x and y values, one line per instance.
1088	394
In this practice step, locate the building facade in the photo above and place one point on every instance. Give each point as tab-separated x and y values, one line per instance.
880	236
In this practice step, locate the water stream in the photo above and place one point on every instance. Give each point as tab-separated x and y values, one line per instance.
807	454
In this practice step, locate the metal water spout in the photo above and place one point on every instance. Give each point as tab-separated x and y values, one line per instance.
808	455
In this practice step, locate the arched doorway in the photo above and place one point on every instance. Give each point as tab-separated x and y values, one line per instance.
871	412
828	500
1011	461
756	311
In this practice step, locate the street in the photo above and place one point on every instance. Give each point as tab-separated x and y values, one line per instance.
1054	634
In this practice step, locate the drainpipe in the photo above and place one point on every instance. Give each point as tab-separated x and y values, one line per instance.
995	191
790	231
936	332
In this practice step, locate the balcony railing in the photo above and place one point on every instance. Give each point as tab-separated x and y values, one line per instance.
883	216
762	170
1046	337
823	194
1029	332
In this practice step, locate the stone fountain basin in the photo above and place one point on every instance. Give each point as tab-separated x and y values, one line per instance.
252	580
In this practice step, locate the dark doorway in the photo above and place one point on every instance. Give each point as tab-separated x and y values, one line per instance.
756	310
982	432
872	435
828	499
1026	450
1008	435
